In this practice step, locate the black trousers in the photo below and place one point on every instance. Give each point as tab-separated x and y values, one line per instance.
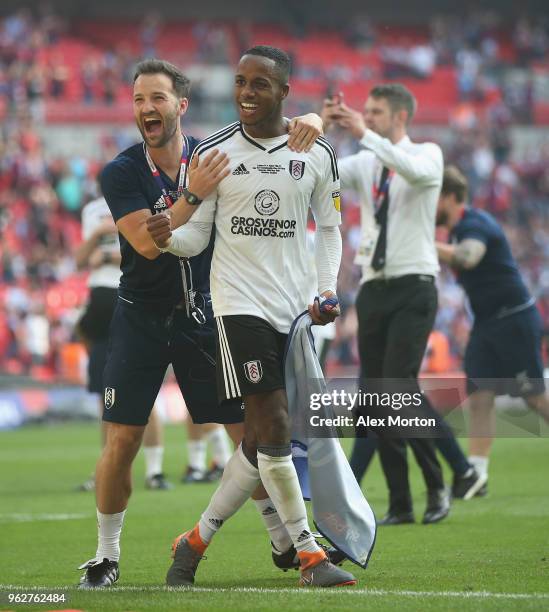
395	318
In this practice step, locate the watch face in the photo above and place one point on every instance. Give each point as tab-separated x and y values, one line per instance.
190	197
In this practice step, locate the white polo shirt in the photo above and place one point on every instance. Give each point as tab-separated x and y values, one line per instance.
93	214
413	196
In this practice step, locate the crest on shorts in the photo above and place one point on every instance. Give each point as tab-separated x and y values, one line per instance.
109	397
253	371
297	168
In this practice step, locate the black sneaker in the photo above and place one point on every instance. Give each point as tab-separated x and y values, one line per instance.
193	475
290	560
438	506
467	486
158	482
392	518
99	574
335	556
483	491
214	473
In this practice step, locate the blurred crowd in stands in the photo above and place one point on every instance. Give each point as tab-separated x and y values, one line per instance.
41	196
43	57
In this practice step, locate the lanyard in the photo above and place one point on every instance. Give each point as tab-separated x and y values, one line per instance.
191	307
379	191
160	182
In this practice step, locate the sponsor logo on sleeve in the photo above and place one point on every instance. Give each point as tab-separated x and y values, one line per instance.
336	199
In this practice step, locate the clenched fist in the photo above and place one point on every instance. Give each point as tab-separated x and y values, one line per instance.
159	227
325	308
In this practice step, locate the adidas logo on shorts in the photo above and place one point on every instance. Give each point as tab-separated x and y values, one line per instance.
240	170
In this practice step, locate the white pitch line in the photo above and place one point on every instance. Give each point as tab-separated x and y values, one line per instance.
299	591
18	517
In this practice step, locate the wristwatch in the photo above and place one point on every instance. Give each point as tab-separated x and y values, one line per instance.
191	198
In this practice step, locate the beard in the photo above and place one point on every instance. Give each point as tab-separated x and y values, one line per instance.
169	123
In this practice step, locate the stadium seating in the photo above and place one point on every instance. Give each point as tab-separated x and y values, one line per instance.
322	56
93	62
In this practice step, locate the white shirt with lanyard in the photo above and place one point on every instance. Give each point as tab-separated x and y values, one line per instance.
414	190
188	289
370	232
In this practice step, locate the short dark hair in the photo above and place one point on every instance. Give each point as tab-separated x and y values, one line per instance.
454	181
280	58
398	97
181	84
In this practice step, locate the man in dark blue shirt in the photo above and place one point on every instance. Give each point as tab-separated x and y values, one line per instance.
503	355
163	314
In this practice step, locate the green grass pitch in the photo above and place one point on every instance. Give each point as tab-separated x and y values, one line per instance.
490	554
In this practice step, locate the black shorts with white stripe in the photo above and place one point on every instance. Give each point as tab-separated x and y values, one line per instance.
142	344
250	355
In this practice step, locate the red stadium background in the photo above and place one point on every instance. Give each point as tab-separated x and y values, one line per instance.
481	78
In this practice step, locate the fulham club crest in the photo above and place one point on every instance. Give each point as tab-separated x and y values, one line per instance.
109	397
253	371
297	168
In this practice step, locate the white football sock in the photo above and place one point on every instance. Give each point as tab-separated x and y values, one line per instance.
480	464
221	451
153	460
280	480
239	480
109	527
196	450
277	532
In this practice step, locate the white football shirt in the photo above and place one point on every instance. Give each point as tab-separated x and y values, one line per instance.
93	215
260	263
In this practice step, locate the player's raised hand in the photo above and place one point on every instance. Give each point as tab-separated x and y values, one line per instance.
206	173
303	132
159	228
325	309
